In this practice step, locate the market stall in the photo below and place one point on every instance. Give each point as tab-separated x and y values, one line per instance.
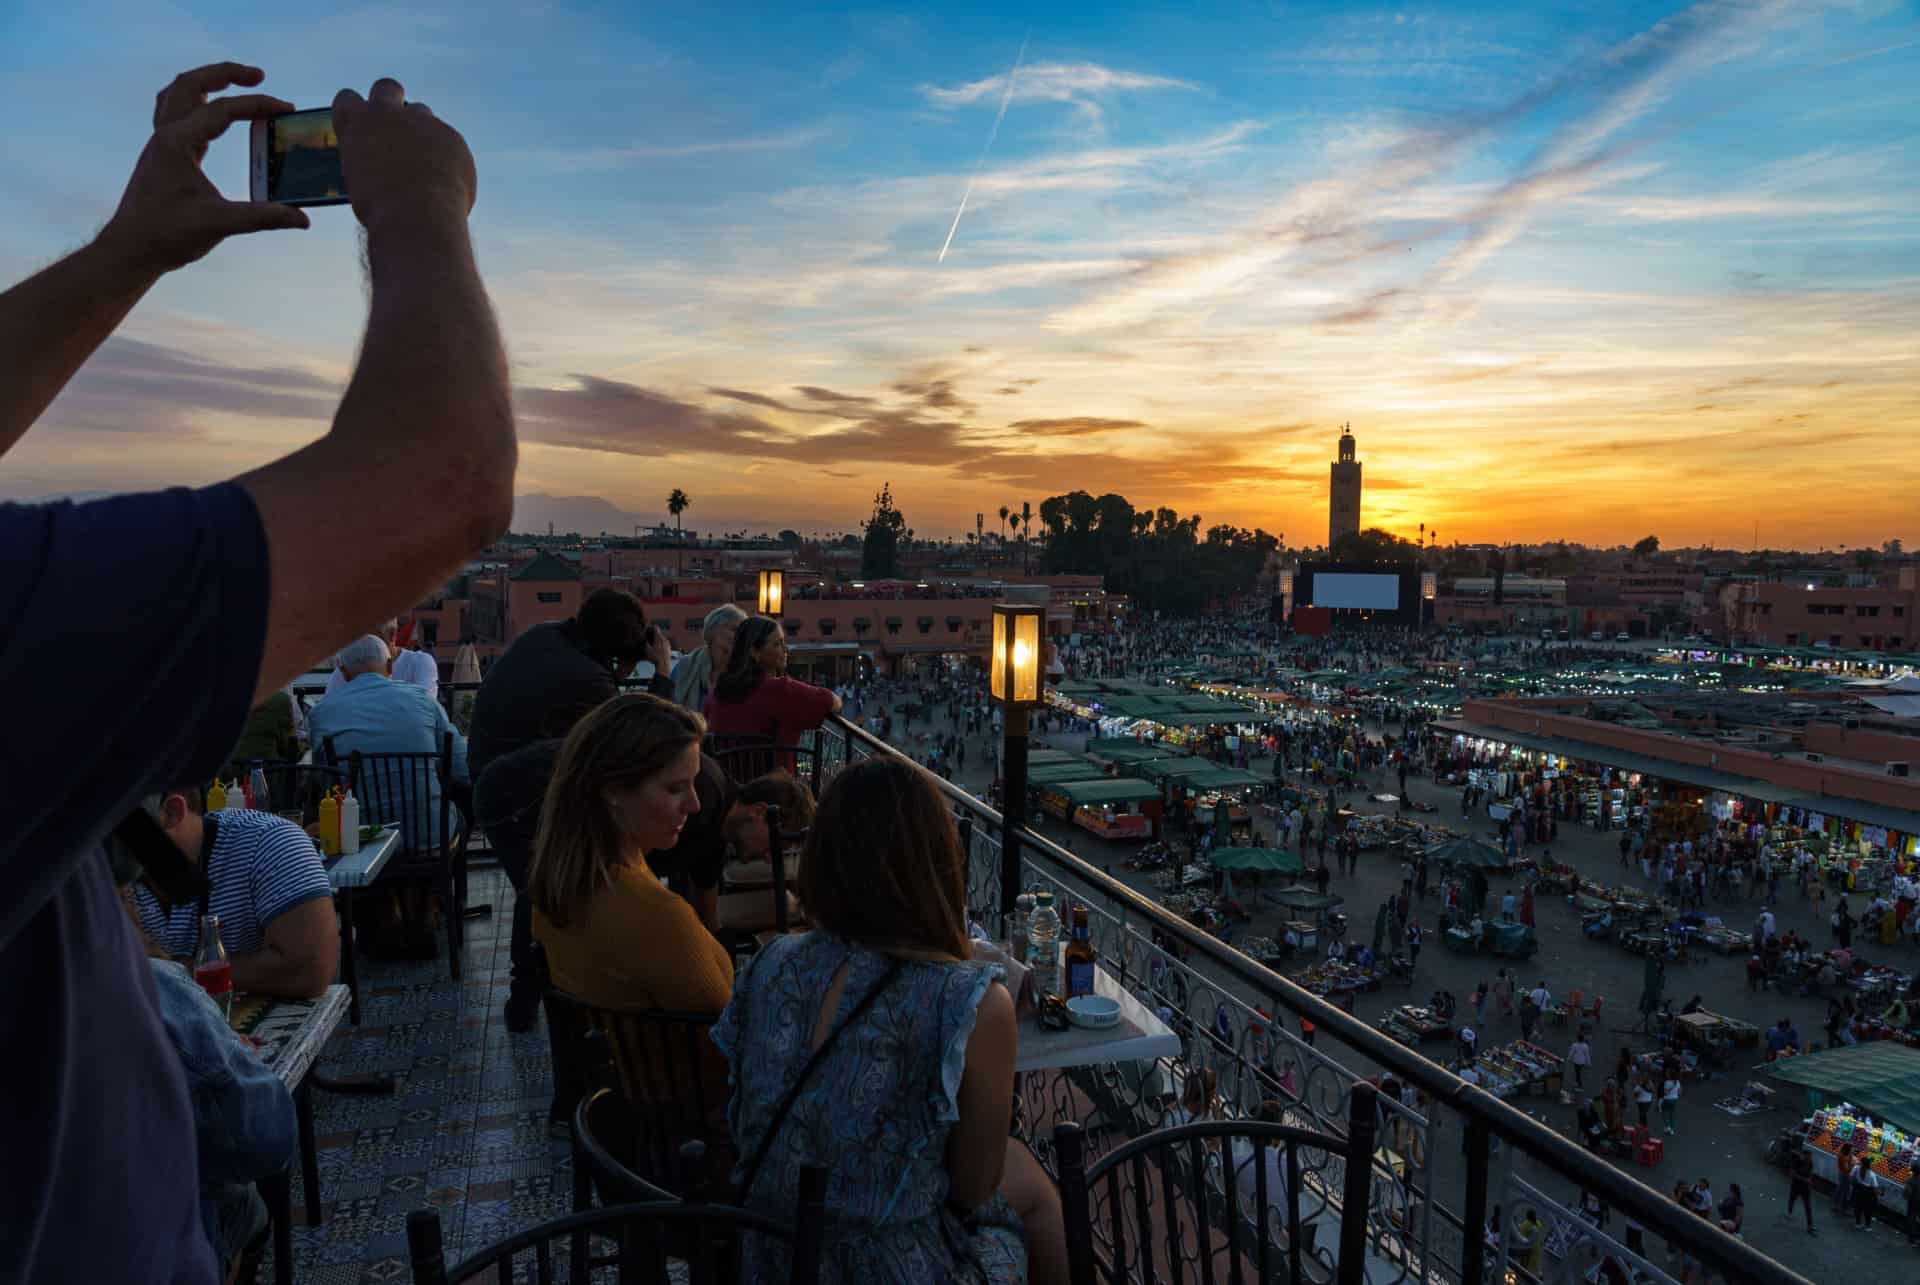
1111	808
1416	1024
1520	1067
1865	1097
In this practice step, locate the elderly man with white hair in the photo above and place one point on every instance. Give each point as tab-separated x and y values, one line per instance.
694	676
372	714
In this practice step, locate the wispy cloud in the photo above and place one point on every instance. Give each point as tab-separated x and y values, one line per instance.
619	156
1081	85
1073	426
1336	218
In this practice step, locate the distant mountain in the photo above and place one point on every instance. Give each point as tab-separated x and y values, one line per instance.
587	514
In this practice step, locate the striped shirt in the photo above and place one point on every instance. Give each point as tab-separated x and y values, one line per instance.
261	866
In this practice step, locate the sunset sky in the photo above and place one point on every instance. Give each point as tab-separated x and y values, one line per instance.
1578	271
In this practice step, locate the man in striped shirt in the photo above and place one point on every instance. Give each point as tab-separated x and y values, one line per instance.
265	882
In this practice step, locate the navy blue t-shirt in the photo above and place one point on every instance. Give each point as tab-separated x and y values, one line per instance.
131	634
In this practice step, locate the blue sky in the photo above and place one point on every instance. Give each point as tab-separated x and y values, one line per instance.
1573	271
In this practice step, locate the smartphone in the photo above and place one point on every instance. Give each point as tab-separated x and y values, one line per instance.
296	159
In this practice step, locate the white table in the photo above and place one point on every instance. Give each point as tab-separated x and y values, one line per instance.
289	1037
1139	1036
358	869
349	874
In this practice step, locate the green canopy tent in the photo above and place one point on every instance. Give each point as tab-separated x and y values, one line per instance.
1214	777
1301	896
1037	757
1161	771
1259	860
1053	773
1881	1078
1086	793
1127	750
1474	854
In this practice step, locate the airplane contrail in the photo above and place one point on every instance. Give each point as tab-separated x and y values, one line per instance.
1005	98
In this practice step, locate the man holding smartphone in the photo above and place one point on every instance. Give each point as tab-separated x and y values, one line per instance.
229	592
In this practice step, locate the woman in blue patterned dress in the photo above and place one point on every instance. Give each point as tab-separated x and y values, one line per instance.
908	1111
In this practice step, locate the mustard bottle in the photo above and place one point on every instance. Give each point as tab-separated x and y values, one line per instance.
216	796
329	835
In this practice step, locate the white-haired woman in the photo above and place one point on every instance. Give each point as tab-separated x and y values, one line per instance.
694	676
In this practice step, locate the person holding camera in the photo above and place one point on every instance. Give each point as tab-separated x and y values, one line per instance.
554	673
225	594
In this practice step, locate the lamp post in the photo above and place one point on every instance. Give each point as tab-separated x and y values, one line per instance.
1014	681
773	591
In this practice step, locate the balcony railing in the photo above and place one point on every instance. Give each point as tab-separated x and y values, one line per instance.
1421	1225
1417	1226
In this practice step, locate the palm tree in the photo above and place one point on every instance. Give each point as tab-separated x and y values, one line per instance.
678	503
1026	526
1004	511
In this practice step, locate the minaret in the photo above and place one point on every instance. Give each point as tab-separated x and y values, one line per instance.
1343	493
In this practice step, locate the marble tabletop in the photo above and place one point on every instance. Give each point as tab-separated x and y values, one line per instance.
289	1033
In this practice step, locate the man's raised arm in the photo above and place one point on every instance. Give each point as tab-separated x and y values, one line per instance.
416	473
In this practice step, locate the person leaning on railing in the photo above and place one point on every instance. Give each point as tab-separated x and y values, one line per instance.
909	1108
754	696
219	597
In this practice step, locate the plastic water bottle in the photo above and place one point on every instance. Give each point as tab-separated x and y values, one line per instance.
1043	944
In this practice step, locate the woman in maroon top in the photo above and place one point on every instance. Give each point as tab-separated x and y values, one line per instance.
754	697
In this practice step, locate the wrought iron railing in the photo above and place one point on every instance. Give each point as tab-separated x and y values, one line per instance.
1417	1222
1421	1225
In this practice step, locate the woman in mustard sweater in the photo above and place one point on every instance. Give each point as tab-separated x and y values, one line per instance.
614	934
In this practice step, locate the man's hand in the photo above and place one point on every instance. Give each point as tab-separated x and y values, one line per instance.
659	651
171	214
401	162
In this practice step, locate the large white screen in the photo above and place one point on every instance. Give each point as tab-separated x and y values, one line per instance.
1371	593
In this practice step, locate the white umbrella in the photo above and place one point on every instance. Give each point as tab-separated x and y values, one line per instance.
466	669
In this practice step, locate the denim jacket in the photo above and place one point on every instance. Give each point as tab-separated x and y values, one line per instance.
242	1115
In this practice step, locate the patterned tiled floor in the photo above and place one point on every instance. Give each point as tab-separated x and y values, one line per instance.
466	1133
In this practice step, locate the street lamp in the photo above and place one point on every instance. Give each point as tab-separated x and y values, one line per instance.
773	591
1015	683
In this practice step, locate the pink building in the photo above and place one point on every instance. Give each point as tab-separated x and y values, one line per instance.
1877	617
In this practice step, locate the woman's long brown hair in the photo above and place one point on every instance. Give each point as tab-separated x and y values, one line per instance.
883	864
579	846
743	672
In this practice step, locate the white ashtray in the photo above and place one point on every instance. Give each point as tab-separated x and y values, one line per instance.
1093	1010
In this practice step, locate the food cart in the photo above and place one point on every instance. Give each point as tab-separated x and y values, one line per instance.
1310	905
1865	1097
1113	808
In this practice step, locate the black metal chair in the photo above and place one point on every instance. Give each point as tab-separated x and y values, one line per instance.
581	1062
641	1242
748	756
674	1082
1167	1213
605	1130
402	787
298	787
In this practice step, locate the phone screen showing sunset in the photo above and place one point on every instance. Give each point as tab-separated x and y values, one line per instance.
303	158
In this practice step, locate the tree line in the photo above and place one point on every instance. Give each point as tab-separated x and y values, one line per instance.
1162	560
